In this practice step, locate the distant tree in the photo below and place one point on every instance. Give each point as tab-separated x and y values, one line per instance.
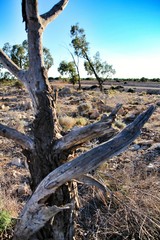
79	42
143	79
103	69
80	46
68	68
76	63
19	55
81	50
48	60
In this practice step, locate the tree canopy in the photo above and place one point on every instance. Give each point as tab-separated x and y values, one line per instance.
103	69
18	53
79	42
68	68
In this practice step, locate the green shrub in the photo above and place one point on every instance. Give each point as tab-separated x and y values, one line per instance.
5	220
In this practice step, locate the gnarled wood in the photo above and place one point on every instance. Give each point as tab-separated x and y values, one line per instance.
35	210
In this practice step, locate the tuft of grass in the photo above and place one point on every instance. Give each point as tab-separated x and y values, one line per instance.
111	92
67	122
7	203
81	121
5	220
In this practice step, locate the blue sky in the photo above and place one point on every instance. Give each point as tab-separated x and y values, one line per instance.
125	32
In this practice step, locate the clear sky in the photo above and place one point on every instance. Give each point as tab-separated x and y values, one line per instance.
125	32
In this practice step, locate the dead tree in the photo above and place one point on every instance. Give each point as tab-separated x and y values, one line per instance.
47	150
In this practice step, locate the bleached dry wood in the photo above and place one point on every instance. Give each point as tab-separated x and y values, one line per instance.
23	140
35	212
53	12
87	133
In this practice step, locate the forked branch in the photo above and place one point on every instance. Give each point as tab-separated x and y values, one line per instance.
23	140
53	12
34	209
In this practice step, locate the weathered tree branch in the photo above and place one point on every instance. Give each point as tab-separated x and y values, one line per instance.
23	140
96	156
89	132
34	209
53	12
47	213
90	180
10	65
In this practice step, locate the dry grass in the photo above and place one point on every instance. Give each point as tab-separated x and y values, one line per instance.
7	202
67	122
131	209
81	121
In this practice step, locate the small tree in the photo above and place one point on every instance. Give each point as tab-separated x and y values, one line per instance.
18	53
81	49
103	69
68	68
76	64
49	213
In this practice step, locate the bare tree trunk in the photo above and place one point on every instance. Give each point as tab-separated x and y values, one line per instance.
77	68
100	82
41	162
